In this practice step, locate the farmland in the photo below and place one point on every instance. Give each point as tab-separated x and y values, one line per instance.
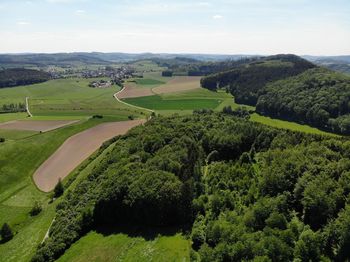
66	97
40	145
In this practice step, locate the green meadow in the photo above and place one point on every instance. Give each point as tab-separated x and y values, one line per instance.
96	247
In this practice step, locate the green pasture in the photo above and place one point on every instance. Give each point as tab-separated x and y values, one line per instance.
96	247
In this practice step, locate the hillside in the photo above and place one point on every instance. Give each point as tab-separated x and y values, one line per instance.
244	190
249	79
318	97
19	76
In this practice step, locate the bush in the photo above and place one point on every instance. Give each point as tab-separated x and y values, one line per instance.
97	116
6	232
59	189
36	209
2	140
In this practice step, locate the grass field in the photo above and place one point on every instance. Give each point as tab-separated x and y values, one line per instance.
183	101
65	98
149	82
96	247
287	125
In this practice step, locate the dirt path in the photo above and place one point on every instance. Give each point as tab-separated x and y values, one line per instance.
75	150
116	96
27	107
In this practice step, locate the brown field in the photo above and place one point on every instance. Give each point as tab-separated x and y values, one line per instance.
131	90
75	150
36	125
178	84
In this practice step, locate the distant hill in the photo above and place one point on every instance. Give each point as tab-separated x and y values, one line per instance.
97	58
19	76
246	81
335	63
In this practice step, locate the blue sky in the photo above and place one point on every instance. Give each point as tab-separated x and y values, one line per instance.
316	27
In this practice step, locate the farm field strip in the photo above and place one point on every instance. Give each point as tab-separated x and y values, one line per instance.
178	84
75	150
36	125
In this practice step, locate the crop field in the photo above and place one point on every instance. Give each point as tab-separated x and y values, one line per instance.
96	247
184	101
65	97
75	150
36	125
149	82
179	84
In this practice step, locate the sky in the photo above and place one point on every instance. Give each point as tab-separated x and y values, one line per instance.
264	27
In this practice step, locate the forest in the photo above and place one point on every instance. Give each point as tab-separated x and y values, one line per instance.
246	81
290	88
318	97
20	76
241	191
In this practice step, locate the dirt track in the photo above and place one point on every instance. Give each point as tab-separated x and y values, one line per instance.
75	150
36	125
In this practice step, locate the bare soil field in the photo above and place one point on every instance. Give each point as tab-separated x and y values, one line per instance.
131	90
75	150
36	125
179	83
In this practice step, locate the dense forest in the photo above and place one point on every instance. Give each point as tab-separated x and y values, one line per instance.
247	192
246	81
318	97
19	76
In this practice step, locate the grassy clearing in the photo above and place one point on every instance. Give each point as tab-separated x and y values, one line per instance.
287	125
95	247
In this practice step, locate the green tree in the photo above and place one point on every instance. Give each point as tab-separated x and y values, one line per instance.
6	232
59	189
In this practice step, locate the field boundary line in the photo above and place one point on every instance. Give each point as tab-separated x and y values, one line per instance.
138	107
27	107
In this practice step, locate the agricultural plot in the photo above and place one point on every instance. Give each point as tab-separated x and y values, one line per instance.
179	84
36	125
66	97
75	150
21	154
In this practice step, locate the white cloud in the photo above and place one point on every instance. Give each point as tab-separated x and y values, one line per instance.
23	23
217	17
80	12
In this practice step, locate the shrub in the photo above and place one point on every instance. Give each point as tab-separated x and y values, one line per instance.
6	232
36	209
